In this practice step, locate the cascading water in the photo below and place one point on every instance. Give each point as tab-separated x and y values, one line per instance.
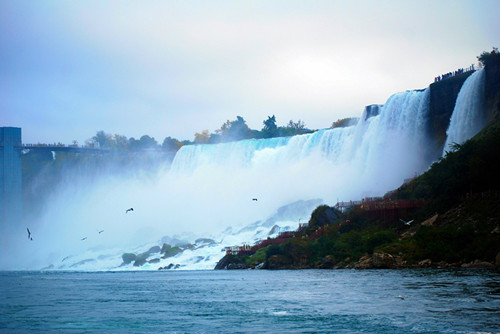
468	116
209	188
374	155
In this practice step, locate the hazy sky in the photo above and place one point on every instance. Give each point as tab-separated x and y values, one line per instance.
173	68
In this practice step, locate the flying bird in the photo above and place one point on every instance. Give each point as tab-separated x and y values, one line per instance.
101	231
85	238
29	234
254	199
131	209
407	223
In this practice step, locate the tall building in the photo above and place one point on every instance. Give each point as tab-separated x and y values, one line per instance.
11	196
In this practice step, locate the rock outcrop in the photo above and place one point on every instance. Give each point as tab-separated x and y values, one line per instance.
231	262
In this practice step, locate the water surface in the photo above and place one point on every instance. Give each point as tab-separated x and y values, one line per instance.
301	301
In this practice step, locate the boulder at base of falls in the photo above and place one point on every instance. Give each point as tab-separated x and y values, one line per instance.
172	251
128	258
164	248
170	266
154	249
142	258
205	241
231	262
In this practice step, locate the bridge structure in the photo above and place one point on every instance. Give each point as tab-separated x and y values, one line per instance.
11	150
63	148
11	195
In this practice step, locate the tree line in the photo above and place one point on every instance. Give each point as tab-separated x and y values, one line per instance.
228	132
239	130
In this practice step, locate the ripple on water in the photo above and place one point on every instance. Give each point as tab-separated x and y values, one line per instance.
341	301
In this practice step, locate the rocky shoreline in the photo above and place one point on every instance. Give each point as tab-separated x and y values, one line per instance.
374	261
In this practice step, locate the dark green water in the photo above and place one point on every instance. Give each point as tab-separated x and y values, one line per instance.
345	301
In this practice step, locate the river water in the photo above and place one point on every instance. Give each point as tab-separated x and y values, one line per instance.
250	301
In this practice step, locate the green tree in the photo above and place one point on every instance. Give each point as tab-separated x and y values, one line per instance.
238	129
270	129
102	139
487	57
298	126
171	144
202	138
147	142
120	142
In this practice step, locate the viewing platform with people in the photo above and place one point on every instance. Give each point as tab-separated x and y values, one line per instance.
454	73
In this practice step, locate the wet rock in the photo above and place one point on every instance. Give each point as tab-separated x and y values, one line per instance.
81	262
232	266
128	257
139	262
443	264
478	264
328	262
154	249
164	248
170	266
425	263
383	260
205	241
364	263
274	229
172	252
223	263
400	263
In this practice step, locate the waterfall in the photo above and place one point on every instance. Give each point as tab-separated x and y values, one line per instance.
369	158
468	116
209	188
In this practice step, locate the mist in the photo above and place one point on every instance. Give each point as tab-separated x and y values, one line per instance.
208	188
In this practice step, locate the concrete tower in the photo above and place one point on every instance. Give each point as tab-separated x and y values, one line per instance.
11	195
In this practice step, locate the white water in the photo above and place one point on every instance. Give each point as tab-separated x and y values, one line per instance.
210	187
468	116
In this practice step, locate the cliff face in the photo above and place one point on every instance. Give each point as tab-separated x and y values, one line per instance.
493	88
442	102
443	95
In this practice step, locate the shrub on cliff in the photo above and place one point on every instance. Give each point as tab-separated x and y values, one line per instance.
487	58
470	168
321	216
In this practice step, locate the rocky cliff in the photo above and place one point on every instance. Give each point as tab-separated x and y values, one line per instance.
443	95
